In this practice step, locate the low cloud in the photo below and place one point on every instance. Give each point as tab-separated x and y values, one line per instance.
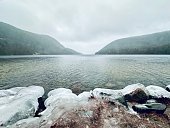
87	25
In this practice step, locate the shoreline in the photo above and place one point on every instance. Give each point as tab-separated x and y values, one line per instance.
61	103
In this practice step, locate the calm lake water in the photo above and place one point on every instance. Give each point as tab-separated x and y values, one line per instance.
84	72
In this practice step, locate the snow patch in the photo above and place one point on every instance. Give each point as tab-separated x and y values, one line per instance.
102	93
131	88
158	92
19	103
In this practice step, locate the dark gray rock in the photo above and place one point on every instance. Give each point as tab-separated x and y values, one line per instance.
137	95
152	107
168	88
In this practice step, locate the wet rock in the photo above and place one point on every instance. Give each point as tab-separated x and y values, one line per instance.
41	107
168	88
138	96
136	92
77	88
152	107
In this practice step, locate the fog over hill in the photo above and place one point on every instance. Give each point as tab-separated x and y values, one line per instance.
14	41
156	43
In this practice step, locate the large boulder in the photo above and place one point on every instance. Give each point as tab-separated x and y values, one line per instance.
19	105
136	92
59	101
157	92
151	107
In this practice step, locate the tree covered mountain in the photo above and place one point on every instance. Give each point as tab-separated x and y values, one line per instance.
156	43
14	41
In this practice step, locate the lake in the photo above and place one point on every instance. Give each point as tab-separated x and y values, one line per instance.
81	73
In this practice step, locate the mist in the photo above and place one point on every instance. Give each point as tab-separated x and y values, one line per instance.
87	26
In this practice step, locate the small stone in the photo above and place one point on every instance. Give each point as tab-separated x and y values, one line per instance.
168	88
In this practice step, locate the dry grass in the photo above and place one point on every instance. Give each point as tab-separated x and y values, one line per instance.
100	114
85	117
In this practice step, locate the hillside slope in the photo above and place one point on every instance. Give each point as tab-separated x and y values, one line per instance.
157	43
14	41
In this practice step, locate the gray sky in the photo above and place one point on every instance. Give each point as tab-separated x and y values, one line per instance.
87	25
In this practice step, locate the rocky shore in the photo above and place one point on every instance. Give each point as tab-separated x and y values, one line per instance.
134	106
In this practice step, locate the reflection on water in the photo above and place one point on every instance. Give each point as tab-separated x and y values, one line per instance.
84	72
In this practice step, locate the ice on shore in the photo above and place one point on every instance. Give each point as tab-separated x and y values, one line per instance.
59	95
84	96
10	92
59	91
158	92
102	93
18	103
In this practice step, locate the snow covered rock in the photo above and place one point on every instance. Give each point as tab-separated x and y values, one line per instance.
158	92
59	97
32	122
110	95
10	92
63	104
59	91
136	92
19	105
104	93
168	88
130	88
36	91
59	101
59	94
85	96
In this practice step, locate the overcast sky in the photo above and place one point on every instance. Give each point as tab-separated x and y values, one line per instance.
87	25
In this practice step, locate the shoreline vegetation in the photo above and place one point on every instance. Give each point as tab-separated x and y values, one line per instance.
134	106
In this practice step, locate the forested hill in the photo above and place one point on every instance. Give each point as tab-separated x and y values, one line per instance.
157	43
14	41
